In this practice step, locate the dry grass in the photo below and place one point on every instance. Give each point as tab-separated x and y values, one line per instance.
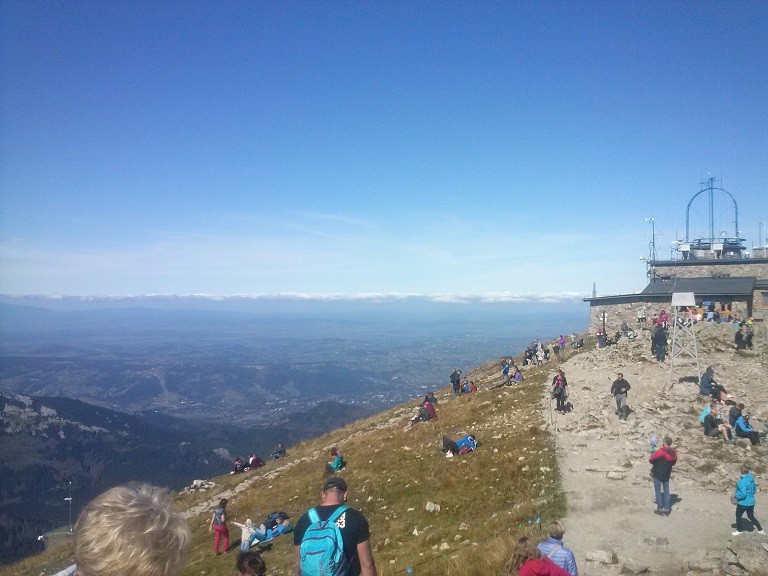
487	497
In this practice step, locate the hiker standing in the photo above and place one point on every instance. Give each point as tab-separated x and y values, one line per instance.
663	460
456	381
744	495
219	526
322	526
559	384
619	389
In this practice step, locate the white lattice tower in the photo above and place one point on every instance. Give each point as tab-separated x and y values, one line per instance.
683	333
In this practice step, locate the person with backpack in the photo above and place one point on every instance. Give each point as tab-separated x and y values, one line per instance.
332	538
559	390
662	461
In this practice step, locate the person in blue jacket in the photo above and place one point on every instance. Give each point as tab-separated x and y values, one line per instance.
744	430
467	443
745	500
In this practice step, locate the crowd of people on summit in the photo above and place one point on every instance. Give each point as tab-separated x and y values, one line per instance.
144	517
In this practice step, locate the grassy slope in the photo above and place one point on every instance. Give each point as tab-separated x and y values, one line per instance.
486	497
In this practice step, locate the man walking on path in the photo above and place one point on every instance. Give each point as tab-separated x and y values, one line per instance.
554	549
353	526
619	389
663	460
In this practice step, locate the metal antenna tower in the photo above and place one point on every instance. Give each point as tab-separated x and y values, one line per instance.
683	333
709	187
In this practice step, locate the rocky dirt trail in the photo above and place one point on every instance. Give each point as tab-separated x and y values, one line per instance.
611	525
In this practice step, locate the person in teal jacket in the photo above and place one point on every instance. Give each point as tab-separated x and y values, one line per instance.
336	464
745	500
744	430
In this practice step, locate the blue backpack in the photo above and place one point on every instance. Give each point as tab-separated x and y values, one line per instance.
321	552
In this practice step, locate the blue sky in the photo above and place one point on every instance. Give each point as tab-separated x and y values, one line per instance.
437	148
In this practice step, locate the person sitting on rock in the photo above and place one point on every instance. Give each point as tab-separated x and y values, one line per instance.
517	375
430	397
426	412
467	443
720	394
705	382
705	411
337	462
255	462
744	430
734	413
279	451
237	465
714	426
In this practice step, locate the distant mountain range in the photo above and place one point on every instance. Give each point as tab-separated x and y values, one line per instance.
48	442
167	389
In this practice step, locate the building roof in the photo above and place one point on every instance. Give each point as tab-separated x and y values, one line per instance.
706	286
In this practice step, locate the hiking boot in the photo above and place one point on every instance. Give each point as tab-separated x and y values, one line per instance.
659	512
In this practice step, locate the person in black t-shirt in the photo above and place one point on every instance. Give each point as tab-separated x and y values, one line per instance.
352	524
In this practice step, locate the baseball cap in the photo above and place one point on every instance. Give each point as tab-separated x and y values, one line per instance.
335	482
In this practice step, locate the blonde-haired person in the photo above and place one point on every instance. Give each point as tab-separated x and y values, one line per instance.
132	530
526	560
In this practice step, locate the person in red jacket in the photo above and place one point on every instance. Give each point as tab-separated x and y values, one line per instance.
663	460
527	560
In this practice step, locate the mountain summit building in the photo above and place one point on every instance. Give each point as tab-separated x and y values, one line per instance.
719	271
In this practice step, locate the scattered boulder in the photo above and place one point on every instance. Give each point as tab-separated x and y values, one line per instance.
602	557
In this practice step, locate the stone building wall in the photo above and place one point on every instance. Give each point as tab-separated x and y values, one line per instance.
760	304
630	312
733	269
615	314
